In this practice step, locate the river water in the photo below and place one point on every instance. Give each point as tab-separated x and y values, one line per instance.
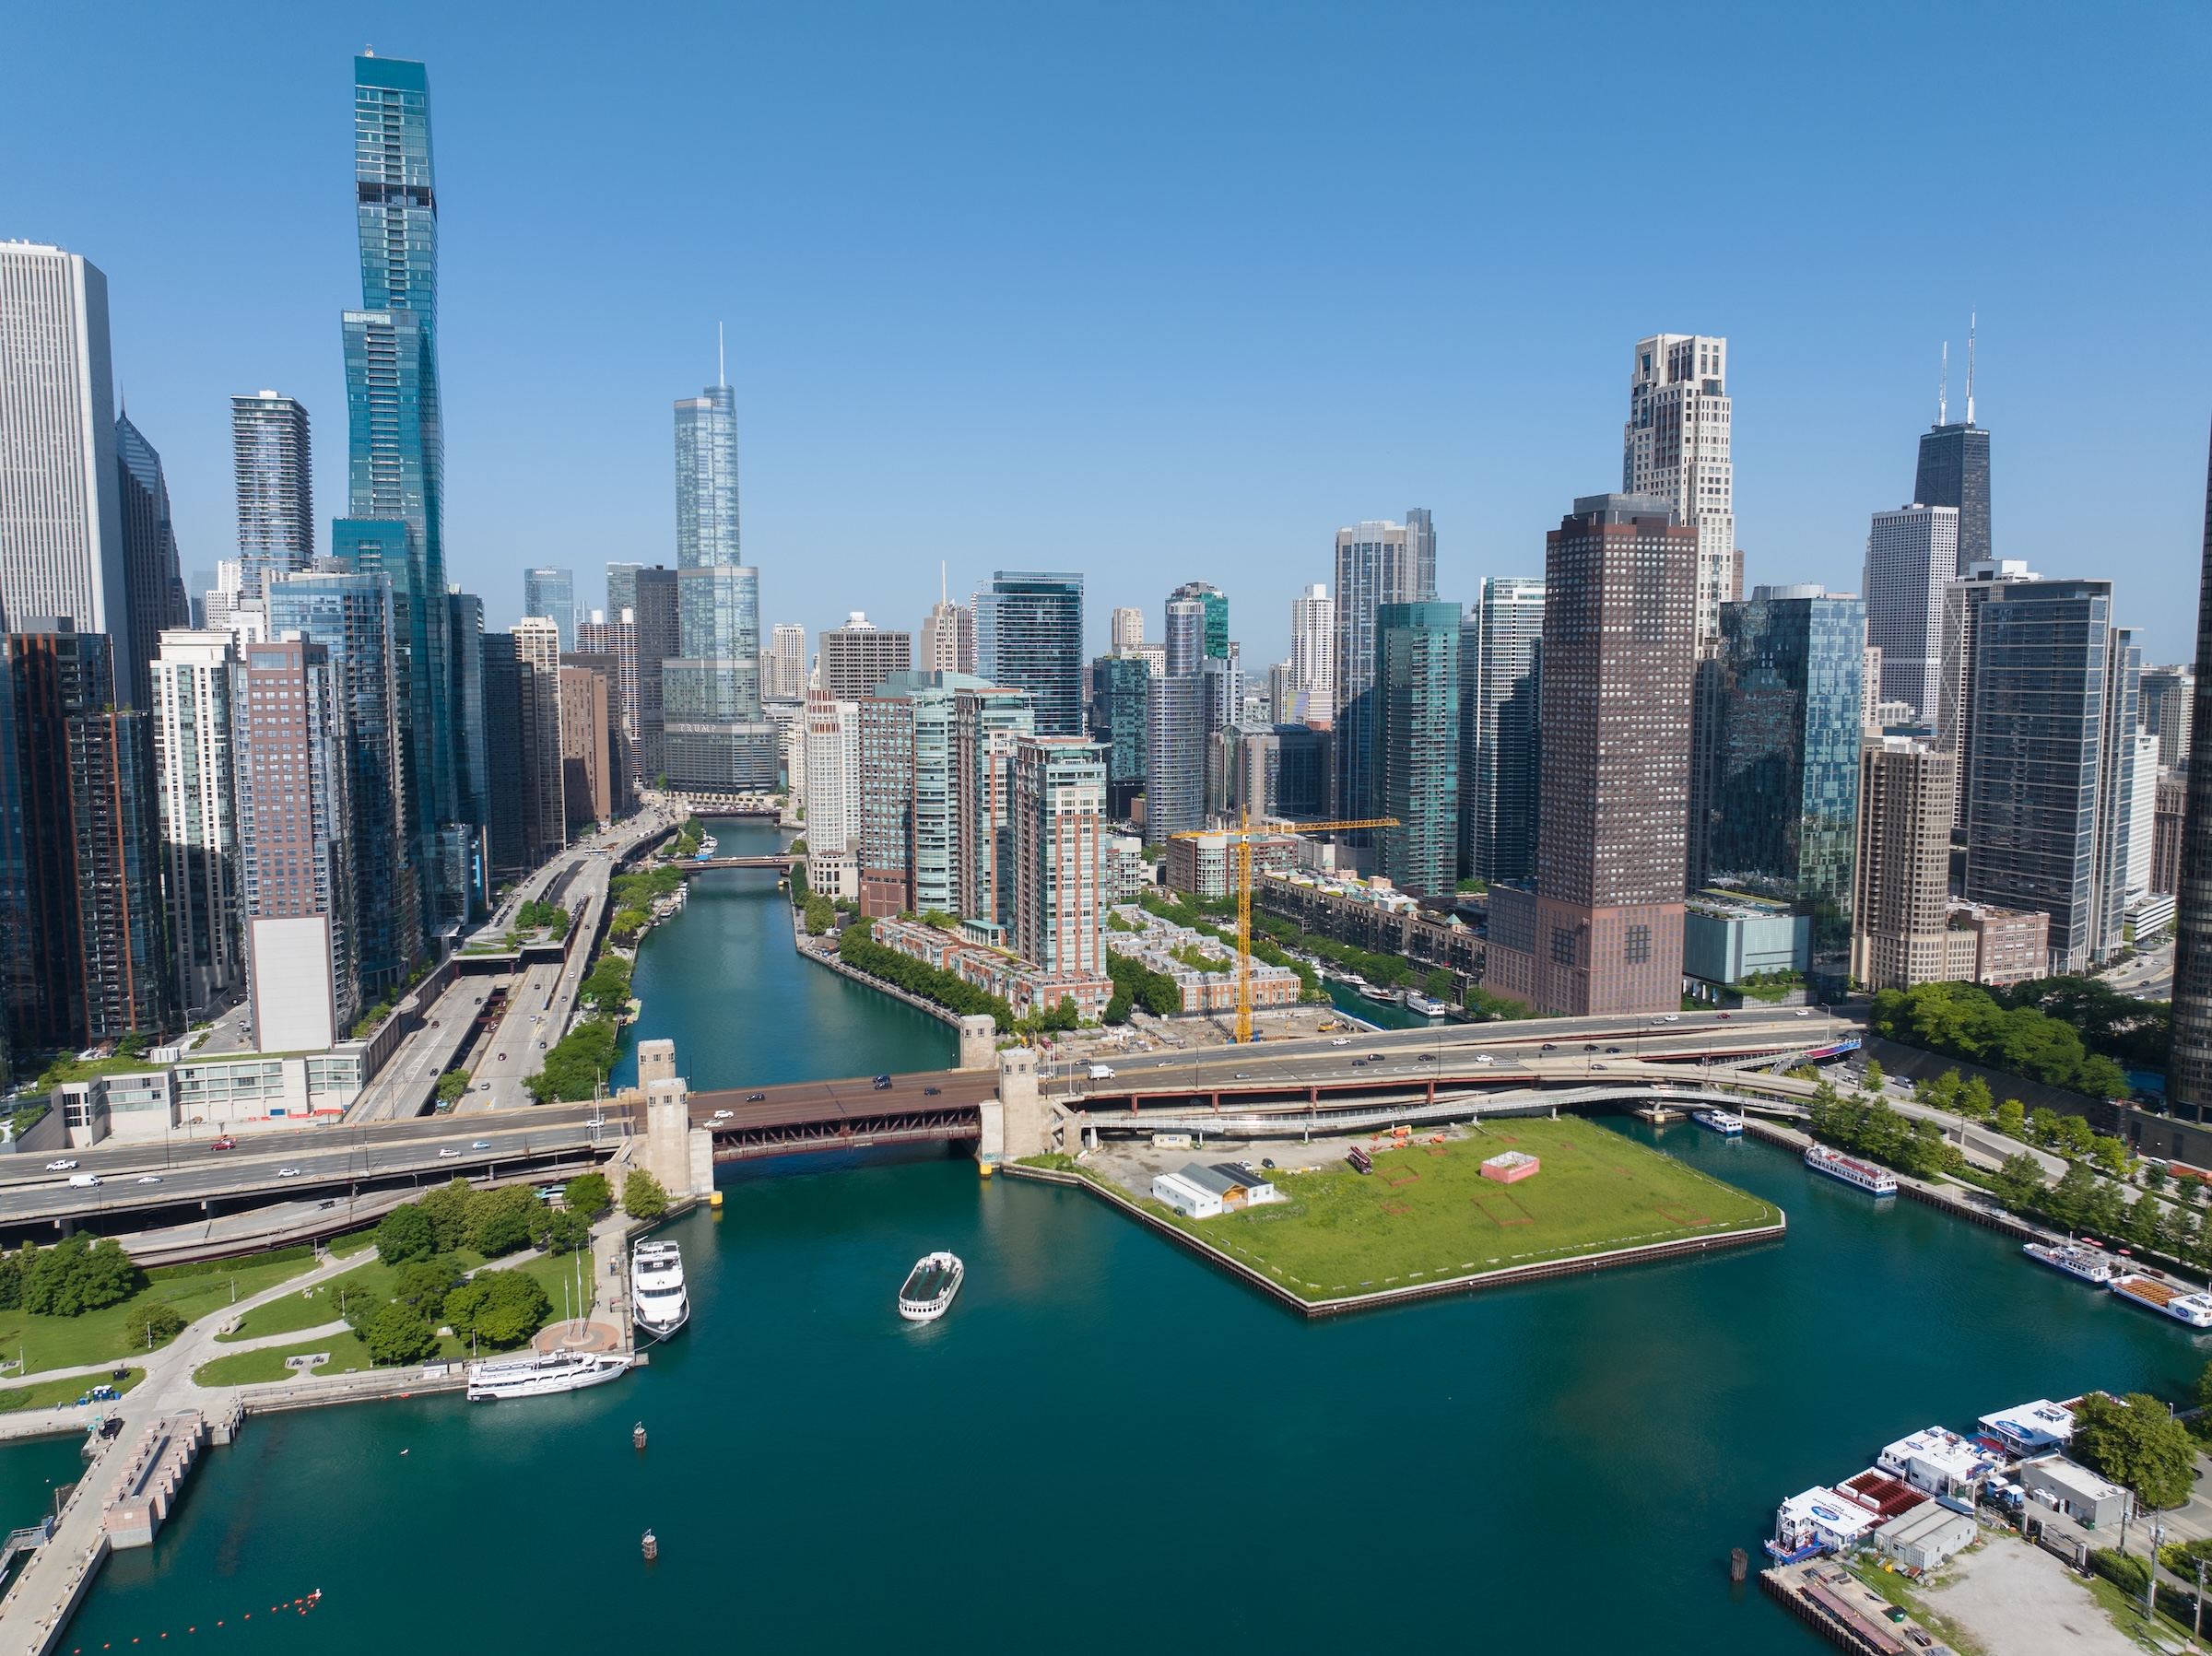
1106	1445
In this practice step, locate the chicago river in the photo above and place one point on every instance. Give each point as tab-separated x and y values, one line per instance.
1105	1444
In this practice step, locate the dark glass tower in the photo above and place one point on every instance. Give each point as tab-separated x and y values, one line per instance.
1954	471
1029	636
1416	741
2189	1059
149	552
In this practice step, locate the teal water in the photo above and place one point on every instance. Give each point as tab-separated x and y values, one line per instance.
1104	1440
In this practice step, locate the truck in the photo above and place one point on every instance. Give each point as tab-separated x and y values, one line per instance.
1101	1071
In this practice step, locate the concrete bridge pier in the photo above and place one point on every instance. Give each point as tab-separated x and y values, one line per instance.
677	1154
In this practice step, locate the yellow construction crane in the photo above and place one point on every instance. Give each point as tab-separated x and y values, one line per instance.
1241	840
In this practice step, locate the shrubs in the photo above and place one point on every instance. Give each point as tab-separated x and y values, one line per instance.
643	1196
151	1323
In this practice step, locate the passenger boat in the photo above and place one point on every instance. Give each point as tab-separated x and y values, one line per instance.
1863	1175
542	1373
2196	1309
1719	1121
2087	1264
930	1286
658	1300
1421	1004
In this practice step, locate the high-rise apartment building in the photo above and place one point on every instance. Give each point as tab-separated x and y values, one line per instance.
1177	743
1676	444
157	599
859	655
987	726
1781	775
713	736
590	736
786	664
1602	932
1912	552
2169	711
1962	602
83	843
885	853
355	619
1126	627
659	638
537	659
506	858
2189	1059
1062	880
1416	743
2168	805
193	742
273	463
1119	686
1186	636
616	637
551	594
833	791
60	518
1280	770
1311	697
2122	856
1377	562
1501	648
1029	636
1214	625
1902	877
472	760
297	890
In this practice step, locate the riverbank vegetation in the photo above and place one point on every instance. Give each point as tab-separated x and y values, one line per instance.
490	1222
857	948
633	897
1965	1021
96	1333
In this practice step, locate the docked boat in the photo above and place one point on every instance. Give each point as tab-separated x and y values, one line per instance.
1719	1121
2196	1309
708	845
659	1303
1423	1006
2087	1264
542	1373
930	1286
1862	1175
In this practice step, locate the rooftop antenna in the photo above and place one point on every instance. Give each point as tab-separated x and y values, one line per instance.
722	372
1943	387
1970	320
942	597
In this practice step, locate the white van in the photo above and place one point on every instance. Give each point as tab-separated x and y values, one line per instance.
83	1181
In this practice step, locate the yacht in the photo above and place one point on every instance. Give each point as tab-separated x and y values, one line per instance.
542	1373
2089	1263
1719	1121
1866	1175
656	1288
930	1286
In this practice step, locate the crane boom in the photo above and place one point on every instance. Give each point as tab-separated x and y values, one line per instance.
1242	836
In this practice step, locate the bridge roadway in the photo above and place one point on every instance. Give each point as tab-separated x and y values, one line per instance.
691	865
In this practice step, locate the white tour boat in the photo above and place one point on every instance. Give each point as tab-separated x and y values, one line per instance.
1719	1121
1423	1006
2087	1264
2176	1301
658	1298
1865	1175
930	1286
542	1373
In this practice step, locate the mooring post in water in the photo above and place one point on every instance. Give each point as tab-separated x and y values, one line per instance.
1740	1564
650	1547
637	1436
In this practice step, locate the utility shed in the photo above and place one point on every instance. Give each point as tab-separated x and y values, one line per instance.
2077	1491
1927	1536
1191	1200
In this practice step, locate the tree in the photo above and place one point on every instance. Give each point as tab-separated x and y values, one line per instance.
2075	1136
2110	1154
1975	1103
2019	1182
2012	1118
2202	1391
447	1210
2154	1177
2137	1442
80	1276
499	1307
821	914
1875	1077
588	1193
452	1084
406	1234
150	1323
1439	985
566	1231
398	1333
501	1221
2068	1200
15	1270
643	1196
424	1284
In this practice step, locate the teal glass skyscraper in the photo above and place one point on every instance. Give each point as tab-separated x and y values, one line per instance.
396	455
1416	743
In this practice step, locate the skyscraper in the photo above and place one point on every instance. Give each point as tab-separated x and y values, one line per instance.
1676	444
1029	636
1061	882
947	635
1176	745
354	618
589	734
545	813
193	743
1954	468
552	593
505	856
616	637
1962	602
987	726
659	638
60	518
1602	932
1781	774
860	655
621	588
464	656
1904	856
1312	697
276	486
884	852
149	555
1185	634
787	662
2189	1058
2169	711
1127	626
1416	741
832	792
1213	603
1911	554
1501	700
1119	686
1377	562
713	737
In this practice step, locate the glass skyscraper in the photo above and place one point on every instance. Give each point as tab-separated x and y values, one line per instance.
1119	687
1781	794
276	490
552	593
1416	743
1029	636
1500	702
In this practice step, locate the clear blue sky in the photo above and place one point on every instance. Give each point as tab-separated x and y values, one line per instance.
1169	292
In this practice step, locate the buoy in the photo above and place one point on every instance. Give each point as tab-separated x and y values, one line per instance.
636	1435
652	1548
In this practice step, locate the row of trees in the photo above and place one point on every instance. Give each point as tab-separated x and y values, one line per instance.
1964	1020
68	1279
1865	1125
857	948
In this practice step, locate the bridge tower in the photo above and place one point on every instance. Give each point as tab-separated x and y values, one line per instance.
677	1154
979	1041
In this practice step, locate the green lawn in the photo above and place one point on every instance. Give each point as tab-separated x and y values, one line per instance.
347	1354
67	1342
47	1395
1427	1214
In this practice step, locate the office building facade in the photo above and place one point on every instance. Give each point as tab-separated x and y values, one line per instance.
1902	880
1418	740
1029	636
1377	562
714	739
1502	649
1310	695
1912	552
833	787
859	655
1125	629
551	594
947	639
2189	1058
464	697
272	461
544	791
193	763
155	583
1954	472
506	858
1119	689
884	855
590	766
1280	770
1678	444
786	679
2169	711
616	637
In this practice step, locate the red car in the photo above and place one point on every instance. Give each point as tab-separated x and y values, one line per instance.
224	1142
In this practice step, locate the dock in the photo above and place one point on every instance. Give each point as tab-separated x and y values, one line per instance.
1845	1611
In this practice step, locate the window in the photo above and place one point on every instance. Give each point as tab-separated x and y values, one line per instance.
1562	946
1639	945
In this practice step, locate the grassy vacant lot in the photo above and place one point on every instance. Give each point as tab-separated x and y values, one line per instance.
1427	1214
347	1354
47	1395
67	1342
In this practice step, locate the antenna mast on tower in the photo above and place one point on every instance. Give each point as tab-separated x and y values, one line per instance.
1970	320
722	372
1943	388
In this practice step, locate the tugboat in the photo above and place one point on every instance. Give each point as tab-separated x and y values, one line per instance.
930	1286
656	1281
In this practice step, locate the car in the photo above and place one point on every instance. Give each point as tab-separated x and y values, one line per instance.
1805	1012
433	1023
59	1167
1374	1058
1550	1046
1722	1015
224	1142
287	1172
1612	1049
1266	1161
446	1151
723	1115
502	1058
882	1084
1597	1066
756	1098
1358	1063
541	1046
1342	1040
149	1179
1242	1075
482	1143
932	1092
1162	1064
1484	1058
1657	1022
1589	1046
1674	1017
1425	1058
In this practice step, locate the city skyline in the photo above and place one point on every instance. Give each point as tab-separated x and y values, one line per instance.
1813	456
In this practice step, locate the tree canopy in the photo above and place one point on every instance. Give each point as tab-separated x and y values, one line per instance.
1964	1020
499	1307
80	1276
2137	1442
643	1196
397	1333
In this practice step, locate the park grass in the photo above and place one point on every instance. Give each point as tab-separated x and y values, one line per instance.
345	1247
348	1356
1426	1215
54	1393
69	1342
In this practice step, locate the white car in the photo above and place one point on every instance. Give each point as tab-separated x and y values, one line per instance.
59	1167
149	1179
1805	1012
1484	1058
287	1172
447	1151
1342	1040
